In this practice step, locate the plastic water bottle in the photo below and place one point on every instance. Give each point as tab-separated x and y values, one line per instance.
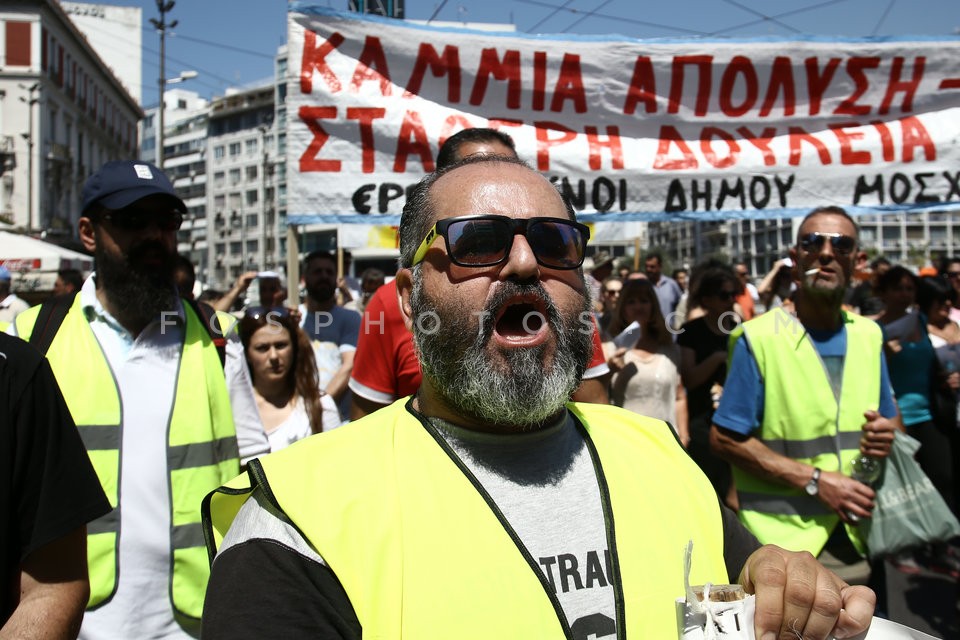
865	469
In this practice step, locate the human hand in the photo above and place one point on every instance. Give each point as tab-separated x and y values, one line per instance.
797	597
244	280
846	496
877	435
616	360
953	381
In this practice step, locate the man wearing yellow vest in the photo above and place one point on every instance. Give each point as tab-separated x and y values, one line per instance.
805	396
486	505
146	388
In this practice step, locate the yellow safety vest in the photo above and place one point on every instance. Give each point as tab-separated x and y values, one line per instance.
802	420
422	555
201	447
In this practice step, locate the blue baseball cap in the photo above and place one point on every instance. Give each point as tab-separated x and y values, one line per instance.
120	183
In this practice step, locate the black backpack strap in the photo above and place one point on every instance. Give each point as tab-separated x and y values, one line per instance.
52	313
212	324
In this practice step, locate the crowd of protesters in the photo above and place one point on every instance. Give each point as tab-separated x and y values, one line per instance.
135	357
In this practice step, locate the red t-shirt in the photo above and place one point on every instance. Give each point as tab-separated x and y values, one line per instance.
385	366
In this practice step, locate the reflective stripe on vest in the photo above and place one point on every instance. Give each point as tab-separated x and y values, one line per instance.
201	447
422	555
803	421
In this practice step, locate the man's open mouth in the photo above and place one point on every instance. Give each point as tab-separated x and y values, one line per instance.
522	320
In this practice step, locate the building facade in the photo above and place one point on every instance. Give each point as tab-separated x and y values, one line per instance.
242	222
62	114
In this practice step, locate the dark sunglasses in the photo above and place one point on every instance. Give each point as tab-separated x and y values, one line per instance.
258	312
138	220
843	245
486	240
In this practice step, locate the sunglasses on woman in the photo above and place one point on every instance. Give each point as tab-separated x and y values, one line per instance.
486	240
259	312
842	244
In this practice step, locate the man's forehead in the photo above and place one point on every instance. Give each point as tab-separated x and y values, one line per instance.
495	187
829	223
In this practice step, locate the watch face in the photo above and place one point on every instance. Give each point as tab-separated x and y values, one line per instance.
812	488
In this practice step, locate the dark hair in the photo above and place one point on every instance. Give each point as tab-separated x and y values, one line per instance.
418	214
879	261
372	273
654	255
72	277
677	272
893	276
933	289
317	255
449	150
830	211
656	326
303	377
708	279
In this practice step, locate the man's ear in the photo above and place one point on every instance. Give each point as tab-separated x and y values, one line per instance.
797	275
404	280
88	236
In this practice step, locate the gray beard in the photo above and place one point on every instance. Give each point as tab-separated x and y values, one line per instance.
525	395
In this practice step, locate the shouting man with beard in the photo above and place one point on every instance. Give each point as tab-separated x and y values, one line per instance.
487	505
146	388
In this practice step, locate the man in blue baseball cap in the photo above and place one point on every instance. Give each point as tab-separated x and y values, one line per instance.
144	383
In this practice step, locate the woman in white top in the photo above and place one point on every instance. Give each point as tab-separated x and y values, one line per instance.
284	375
646	374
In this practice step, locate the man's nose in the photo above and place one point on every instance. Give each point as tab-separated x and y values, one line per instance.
521	263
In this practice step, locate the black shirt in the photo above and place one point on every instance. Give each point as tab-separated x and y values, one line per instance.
48	487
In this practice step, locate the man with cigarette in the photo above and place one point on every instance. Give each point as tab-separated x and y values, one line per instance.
805	396
487	506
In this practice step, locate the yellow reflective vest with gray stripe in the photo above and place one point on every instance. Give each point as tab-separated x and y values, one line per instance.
803	420
423	552
201	447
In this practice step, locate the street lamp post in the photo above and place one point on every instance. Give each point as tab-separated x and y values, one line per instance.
161	25
28	137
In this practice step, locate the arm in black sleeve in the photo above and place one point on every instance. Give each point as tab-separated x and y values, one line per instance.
263	589
738	543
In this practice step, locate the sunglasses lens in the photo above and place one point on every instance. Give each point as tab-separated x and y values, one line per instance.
478	242
138	220
811	241
843	244
557	244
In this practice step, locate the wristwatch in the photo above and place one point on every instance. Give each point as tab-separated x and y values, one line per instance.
813	487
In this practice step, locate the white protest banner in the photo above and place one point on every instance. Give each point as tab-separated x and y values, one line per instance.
631	129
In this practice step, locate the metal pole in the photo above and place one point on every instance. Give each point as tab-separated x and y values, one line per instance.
162	26
30	101
293	267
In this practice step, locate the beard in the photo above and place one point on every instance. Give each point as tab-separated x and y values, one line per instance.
143	292
524	392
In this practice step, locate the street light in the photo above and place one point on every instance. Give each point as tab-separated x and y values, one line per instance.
30	101
184	75
161	25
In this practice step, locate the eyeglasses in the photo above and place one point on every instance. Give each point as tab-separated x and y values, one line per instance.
258	312
486	240
842	244
612	292
138	220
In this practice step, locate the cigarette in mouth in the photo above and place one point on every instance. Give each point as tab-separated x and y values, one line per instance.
810	272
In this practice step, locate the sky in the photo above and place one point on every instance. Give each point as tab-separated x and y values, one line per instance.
231	43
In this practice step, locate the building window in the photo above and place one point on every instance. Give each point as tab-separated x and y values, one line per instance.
234	149
218	152
18	43
251	173
252	197
252	147
234	176
218	179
